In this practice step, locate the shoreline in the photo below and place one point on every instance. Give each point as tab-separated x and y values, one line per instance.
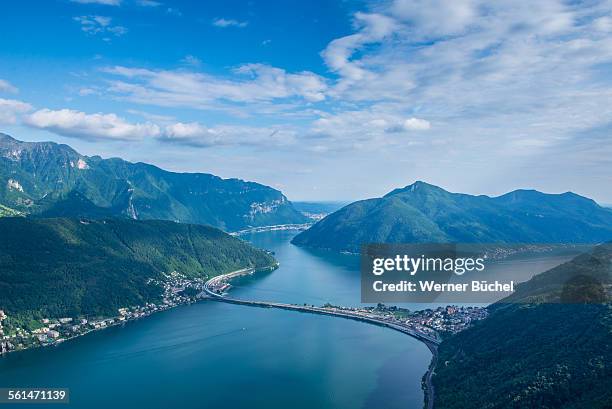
206	295
276	227
118	321
427	385
91	330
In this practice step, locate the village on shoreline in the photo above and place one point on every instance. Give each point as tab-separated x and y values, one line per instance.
179	290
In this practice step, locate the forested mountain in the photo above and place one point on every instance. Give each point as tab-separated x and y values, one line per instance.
48	180
425	213
70	267
556	354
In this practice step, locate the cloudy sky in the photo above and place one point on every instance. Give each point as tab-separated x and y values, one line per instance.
323	100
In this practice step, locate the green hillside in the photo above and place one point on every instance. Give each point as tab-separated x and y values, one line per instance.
426	213
50	180
70	267
546	355
8	212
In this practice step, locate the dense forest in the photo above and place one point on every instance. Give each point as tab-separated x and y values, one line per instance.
424	213
547	346
71	267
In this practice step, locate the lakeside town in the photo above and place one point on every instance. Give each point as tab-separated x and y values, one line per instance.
436	322
178	290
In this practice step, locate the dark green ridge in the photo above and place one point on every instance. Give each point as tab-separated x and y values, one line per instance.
553	352
423	213
70	267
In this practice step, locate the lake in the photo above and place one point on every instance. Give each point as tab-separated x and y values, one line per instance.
217	355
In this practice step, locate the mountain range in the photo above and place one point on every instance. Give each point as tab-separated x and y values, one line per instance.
426	213
46	179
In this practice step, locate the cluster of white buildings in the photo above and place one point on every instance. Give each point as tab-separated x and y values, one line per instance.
55	330
451	318
429	321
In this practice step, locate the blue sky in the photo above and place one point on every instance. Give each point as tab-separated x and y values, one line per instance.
324	100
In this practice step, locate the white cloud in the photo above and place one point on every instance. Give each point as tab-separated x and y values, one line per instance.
103	2
6	86
250	83
507	69
117	30
416	124
191	60
277	83
603	24
11	109
149	3
198	135
372	28
223	22
371	128
83	92
99	25
480	73
104	127
159	119
191	133
76	124
436	17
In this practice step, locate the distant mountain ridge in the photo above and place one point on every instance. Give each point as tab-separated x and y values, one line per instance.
426	213
47	179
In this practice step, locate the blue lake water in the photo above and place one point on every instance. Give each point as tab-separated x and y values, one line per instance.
215	355
318	276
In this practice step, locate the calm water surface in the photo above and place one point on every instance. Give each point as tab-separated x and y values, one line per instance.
318	276
215	355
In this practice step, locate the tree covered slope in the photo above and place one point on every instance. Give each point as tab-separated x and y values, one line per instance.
50	180
531	354
70	267
426	213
